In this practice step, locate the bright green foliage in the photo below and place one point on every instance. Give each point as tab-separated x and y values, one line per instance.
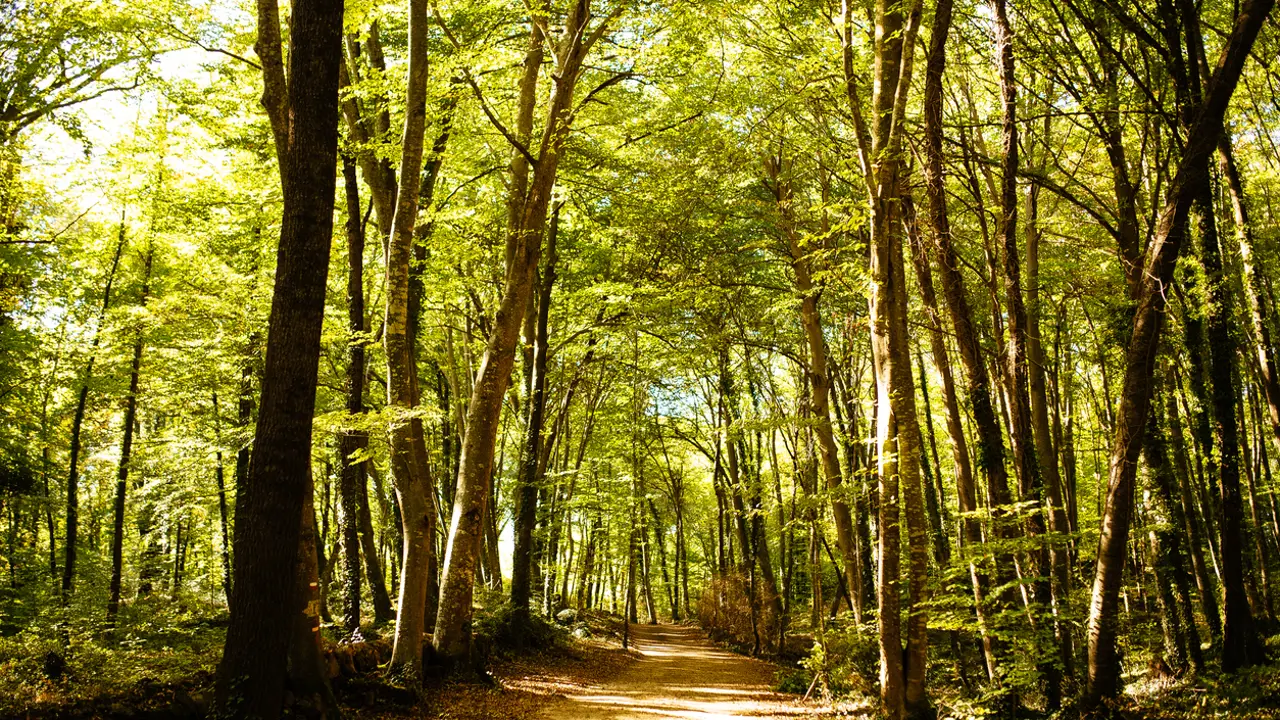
673	266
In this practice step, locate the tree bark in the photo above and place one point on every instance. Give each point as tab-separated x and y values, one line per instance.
530	478
1135	399
1170	558
353	441
410	472
966	490
819	380
219	477
268	518
1240	643
1191	524
308	679
1027	453
126	450
453	624
902	675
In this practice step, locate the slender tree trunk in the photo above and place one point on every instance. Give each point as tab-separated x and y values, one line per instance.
453	625
1025	450
1240	644
819	380
352	441
126	450
530	479
966	491
1135	399
990	457
77	424
410	472
902	675
1170	559
1192	524
223	519
1046	454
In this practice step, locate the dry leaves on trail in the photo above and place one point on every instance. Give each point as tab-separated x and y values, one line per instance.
524	685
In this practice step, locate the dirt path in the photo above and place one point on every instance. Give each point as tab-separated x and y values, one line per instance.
682	675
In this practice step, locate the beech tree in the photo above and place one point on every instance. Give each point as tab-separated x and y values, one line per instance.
879	339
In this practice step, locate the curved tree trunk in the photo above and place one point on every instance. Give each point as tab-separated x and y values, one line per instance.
453	624
966	490
819	380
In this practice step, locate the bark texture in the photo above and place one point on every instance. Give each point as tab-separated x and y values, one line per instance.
251	675
1140	357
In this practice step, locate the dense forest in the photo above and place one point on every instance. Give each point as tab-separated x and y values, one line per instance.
927	349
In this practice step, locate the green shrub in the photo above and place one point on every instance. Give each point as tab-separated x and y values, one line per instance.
495	627
792	680
846	659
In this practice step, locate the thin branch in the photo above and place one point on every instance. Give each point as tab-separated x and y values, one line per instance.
610	82
498	123
56	235
182	34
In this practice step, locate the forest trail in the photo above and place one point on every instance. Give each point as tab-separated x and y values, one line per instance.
682	675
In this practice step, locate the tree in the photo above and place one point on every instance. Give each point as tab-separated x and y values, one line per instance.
269	514
1135	399
452	636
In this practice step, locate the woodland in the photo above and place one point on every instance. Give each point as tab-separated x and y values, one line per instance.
926	349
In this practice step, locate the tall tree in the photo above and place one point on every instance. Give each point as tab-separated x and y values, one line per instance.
77	424
409	468
304	119
452	635
899	445
126	447
1135	398
353	441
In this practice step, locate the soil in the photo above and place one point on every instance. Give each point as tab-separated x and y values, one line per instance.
680	674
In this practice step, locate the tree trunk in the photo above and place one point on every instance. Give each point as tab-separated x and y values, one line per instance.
269	516
126	451
1046	454
1135	399
966	491
77	424
902	675
1170	559
353	441
453	625
1240	643
530	478
1192	524
308	679
1027	453
990	442
223	520
410	472
819	380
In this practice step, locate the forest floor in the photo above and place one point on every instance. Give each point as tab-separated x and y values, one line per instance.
682	675
671	671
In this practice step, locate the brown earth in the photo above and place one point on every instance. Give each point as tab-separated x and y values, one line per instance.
682	675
